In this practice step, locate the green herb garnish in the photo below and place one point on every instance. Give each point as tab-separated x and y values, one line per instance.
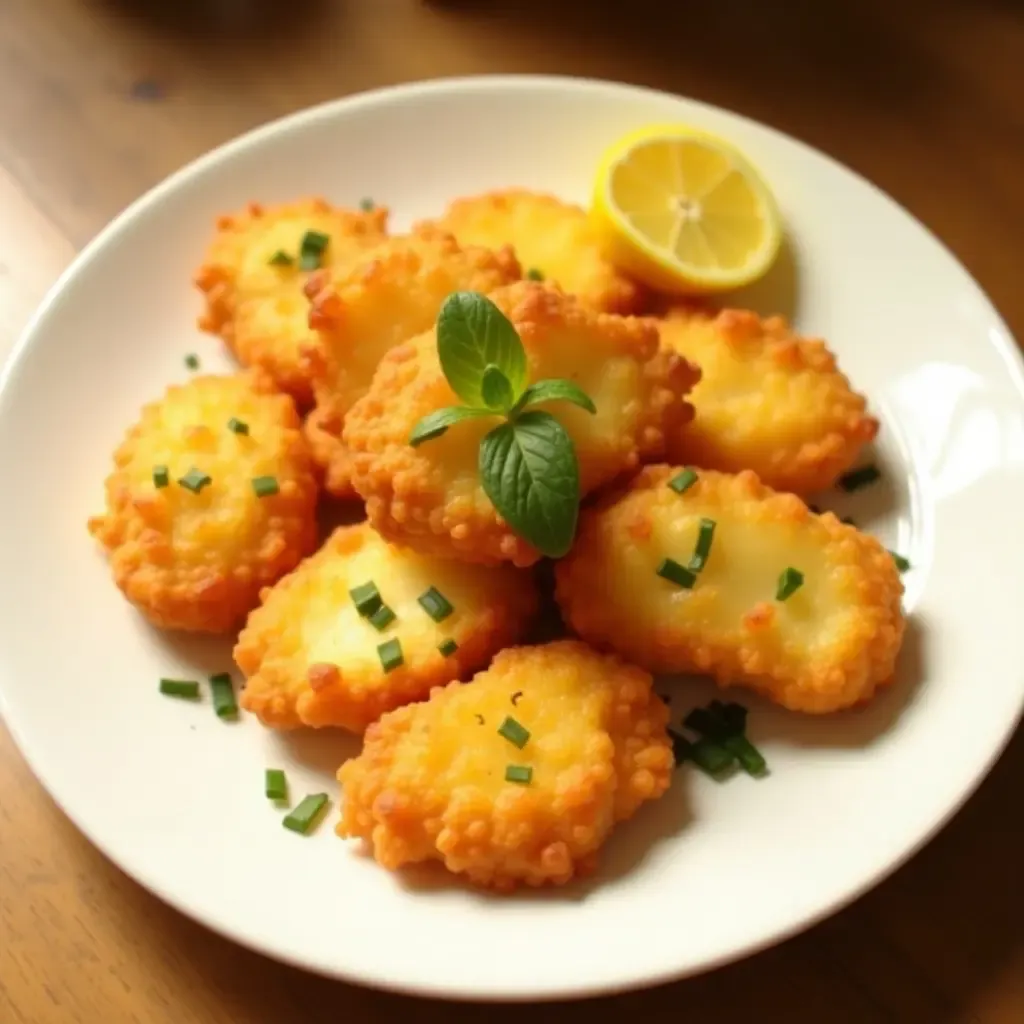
528	464
705	536
683	481
675	573
518	735
382	618
708	756
275	784
366	204
195	480
311	250
192	361
435	604
902	564
366	597
521	773
858	478
237	426
448	647
179	688
714	725
390	654
302	817
223	693
161	476
265	486
790	582
533	274
281	259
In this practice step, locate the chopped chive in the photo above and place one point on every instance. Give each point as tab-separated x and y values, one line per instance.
675	573
382	618
435	604
680	746
192	361
161	476
366	597
275	784
858	478
390	654
237	426
366	204
790	582
179	688
714	725
223	693
311	250
281	259
302	817
533	274
902	564
734	715
703	549
515	733
195	480
265	486
520	773
448	647
683	481
710	757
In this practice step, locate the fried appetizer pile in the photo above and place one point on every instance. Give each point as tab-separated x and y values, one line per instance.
362	627
552	239
211	499
743	617
392	294
253	277
430	497
516	777
768	400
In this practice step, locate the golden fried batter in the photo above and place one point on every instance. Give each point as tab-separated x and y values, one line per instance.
430	497
768	400
827	647
312	659
196	559
392	294
257	306
551	238
431	783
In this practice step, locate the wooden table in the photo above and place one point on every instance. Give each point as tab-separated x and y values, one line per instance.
99	100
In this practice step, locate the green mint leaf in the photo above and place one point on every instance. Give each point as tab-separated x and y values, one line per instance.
472	333
434	424
554	389
528	469
496	389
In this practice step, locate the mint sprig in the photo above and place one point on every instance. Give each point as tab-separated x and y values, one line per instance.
528	464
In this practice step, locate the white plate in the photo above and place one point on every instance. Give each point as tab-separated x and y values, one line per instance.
713	871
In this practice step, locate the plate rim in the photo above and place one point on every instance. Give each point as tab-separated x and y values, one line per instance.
1004	345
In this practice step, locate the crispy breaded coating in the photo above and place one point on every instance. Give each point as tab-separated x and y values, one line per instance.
430	497
312	659
551	238
257	306
827	647
768	400
392	294
431	783
196	559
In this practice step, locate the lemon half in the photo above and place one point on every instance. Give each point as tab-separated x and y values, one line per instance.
683	211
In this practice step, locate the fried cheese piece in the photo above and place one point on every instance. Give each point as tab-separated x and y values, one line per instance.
826	647
768	400
312	659
212	498
431	782
254	295
551	238
430	497
389	296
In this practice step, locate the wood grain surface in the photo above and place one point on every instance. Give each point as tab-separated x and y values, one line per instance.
100	100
